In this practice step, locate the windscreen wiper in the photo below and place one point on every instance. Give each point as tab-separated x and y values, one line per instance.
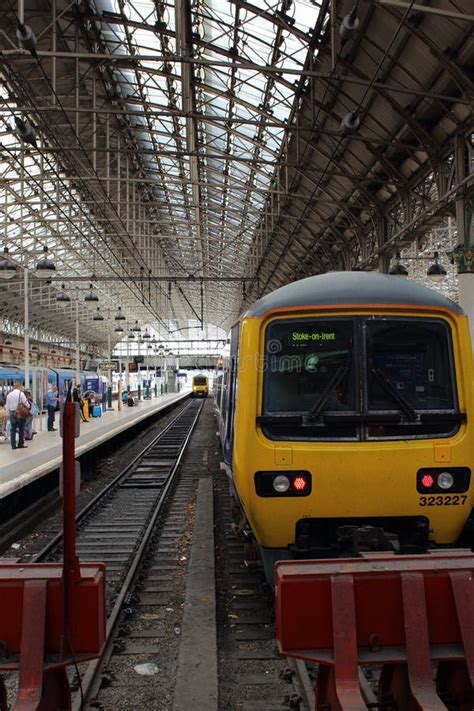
337	378
279	419
389	388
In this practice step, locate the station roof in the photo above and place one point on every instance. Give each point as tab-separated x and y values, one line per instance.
193	155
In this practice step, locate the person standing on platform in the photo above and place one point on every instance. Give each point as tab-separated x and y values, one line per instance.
51	404
18	409
77	397
3	420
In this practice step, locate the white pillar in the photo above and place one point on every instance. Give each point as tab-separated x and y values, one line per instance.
127	369
466	298
27	330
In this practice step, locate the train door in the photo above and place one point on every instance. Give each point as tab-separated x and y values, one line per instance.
231	390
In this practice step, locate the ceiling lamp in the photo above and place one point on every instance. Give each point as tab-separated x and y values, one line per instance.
45	268
8	342
398	269
436	271
98	316
34	348
146	335
119	316
7	268
53	351
62	297
119	329
91	295
131	335
136	327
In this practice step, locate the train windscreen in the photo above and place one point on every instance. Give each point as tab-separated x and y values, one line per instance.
359	378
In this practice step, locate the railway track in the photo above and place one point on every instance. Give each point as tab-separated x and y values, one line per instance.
252	675
118	527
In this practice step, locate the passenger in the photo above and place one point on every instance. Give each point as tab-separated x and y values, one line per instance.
77	397
18	409
34	412
3	420
52	401
130	400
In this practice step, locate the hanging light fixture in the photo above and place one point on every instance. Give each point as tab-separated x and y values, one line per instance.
91	295
118	329
8	342
136	327
7	268
146	335
131	335
62	297
98	316
45	268
436	271
119	316
398	269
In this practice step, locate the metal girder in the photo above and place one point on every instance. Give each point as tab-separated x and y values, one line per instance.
194	141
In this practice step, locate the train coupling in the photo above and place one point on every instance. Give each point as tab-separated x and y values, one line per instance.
354	540
410	616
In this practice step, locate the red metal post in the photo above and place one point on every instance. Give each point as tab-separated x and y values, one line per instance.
71	569
30	683
417	641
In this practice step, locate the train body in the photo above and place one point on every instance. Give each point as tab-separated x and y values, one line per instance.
200	386
42	379
343	413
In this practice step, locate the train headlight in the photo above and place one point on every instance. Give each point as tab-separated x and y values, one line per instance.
281	483
445	480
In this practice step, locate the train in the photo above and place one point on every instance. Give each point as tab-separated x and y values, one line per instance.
43	378
343	415
200	386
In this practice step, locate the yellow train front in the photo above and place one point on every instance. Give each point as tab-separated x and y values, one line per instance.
345	411
200	386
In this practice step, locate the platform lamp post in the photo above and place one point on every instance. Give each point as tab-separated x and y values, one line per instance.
130	337
146	337
155	386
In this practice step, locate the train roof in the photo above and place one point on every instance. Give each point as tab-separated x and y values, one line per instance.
351	289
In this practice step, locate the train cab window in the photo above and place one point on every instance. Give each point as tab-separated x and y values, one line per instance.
309	372
410	372
359	378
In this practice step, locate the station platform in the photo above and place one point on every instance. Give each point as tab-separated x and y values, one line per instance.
19	468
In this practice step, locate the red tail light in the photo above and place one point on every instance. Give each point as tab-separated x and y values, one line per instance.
299	483
428	481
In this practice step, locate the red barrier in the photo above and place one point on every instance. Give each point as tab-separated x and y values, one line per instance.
53	615
402	612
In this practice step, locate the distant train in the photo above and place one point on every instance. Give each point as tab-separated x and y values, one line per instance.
200	386
343	412
43	378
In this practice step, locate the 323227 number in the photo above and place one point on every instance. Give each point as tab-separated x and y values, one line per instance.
445	500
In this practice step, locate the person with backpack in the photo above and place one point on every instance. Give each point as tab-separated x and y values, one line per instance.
18	409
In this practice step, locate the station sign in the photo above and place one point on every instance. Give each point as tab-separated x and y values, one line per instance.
109	365
138	359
